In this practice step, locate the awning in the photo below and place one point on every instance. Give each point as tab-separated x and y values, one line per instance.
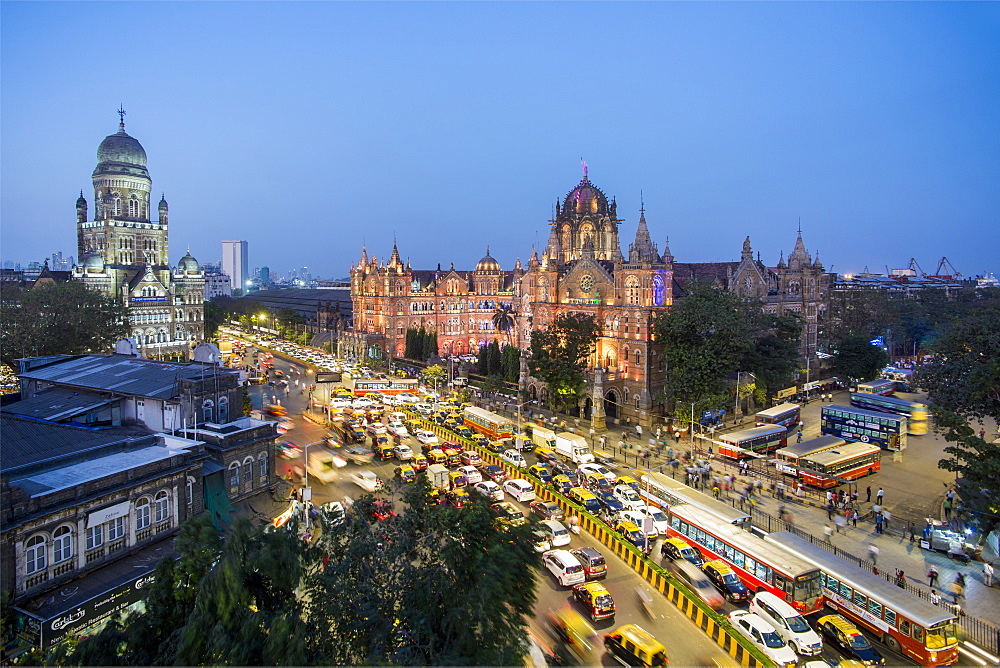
208	467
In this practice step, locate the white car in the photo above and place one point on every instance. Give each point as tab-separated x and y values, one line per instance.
424	409
361	404
660	520
520	489
515	458
555	531
788	623
565	567
489	489
402	452
629	498
472	475
398	429
587	469
366	480
427	437
762	634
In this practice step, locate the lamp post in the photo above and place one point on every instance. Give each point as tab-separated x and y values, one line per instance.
306	491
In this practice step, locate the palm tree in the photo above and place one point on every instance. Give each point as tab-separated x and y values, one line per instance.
503	320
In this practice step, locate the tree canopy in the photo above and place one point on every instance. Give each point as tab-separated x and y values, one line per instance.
857	358
558	354
59	319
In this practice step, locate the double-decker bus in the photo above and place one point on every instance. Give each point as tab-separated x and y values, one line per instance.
663	491
359	387
496	427
886	430
751	442
834	467
787	459
914	411
786	415
925	633
882	386
761	566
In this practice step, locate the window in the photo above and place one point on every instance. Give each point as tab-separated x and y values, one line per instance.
208	410
234	474
262	465
904	627
142	514
248	469
190	490
918	634
34	554
223	410
890	617
632	290
95	536
161	506
116	528
875	608
860	600
62	544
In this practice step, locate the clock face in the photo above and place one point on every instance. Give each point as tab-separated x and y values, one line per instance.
587	283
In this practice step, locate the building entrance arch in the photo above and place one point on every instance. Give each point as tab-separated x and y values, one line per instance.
611	401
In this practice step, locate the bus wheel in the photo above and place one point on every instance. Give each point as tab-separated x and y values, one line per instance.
890	642
759	590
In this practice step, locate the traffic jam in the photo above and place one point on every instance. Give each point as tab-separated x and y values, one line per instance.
794	605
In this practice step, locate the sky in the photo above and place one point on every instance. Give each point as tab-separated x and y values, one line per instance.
313	129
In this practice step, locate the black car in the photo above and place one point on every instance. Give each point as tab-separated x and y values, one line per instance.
726	581
849	639
609	501
547	510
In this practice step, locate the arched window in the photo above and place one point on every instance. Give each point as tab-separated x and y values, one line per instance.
208	410
133	207
262	465
34	554
190	490
143	516
223	410
632	290
637	358
118	205
248	469
161	506
637	401
234	474
62	544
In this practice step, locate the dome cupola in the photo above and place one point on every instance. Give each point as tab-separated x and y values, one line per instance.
488	263
92	263
121	154
585	198
188	265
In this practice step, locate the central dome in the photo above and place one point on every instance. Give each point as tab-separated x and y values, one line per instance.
121	153
488	263
586	198
188	265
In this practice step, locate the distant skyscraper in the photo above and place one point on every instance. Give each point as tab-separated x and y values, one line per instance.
265	274
234	264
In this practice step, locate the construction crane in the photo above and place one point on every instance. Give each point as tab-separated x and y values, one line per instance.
953	274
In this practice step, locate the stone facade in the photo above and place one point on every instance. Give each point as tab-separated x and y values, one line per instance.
123	253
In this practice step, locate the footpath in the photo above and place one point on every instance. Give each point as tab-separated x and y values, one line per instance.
807	516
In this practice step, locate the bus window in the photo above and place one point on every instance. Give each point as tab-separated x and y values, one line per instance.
890	617
730	552
918	634
875	608
860	600
904	627
832	584
739	559
846	591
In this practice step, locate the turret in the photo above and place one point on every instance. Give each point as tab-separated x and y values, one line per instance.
162	209
81	209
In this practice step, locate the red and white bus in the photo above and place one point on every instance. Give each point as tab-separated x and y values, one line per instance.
752	442
663	491
882	386
760	565
787	459
496	427
830	468
925	633
786	415
359	387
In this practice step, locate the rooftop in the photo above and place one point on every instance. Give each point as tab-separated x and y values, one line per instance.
57	404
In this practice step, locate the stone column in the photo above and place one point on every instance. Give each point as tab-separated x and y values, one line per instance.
598	418
522	379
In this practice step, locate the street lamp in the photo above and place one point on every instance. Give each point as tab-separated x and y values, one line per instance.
305	475
693	404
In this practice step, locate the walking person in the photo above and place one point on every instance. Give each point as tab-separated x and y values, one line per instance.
878	523
988	574
854	518
932	577
839	522
869	492
886	516
828	533
878	496
873	553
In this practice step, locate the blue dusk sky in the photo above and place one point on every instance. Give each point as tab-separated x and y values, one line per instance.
309	129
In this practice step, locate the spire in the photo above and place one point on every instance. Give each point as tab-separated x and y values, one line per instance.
667	255
517	264
121	119
642	249
364	255
799	256
781	260
747	252
394	260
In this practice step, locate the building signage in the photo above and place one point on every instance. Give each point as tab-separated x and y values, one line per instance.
787	392
328	376
148	299
95	610
811	385
99	517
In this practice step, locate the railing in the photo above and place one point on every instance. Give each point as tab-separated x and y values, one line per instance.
116	546
143	534
95	555
63	568
36	580
162	526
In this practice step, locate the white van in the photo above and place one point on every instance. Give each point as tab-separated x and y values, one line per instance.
565	567
789	624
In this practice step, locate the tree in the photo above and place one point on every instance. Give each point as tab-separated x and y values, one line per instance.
503	320
510	363
433	374
430	347
558	354
774	354
494	385
215	317
963	382
59	319
857	358
434	586
706	337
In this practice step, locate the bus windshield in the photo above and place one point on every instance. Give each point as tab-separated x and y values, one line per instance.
942	635
807	587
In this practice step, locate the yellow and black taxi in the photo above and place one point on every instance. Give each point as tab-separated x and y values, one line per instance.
457	479
633	645
597	482
507	513
678	548
561	483
406	473
458	497
435	456
630	481
585	499
725	580
632	533
541	471
595	599
419	463
849	639
496	447
545	455
452	458
382	448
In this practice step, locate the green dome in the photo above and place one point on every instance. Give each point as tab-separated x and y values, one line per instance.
121	154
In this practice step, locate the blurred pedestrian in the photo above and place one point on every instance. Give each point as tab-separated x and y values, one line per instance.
988	574
840	522
873	553
828	533
932	576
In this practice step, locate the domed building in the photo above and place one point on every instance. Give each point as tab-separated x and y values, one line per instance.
123	252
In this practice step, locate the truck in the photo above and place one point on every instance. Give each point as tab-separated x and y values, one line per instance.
359	454
438	474
323	464
543	438
573	447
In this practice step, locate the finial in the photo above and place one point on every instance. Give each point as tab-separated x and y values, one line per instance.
642	204
582	162
800	224
81	192
189	249
487	250
121	117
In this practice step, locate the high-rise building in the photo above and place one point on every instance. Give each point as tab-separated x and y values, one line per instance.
234	265
123	253
265	275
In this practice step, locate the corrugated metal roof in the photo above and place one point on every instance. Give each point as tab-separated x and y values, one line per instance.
124	375
57	404
28	441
